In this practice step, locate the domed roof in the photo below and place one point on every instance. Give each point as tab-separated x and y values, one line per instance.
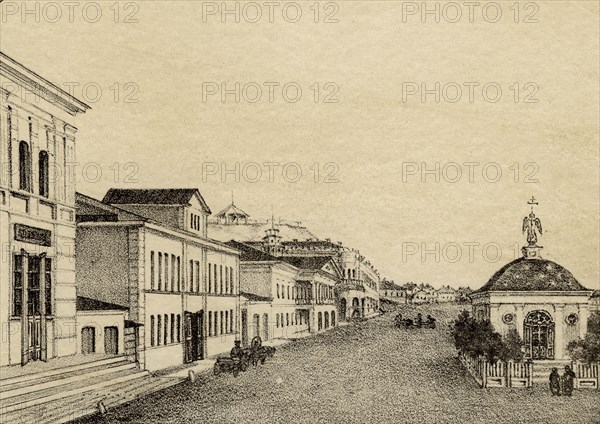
532	275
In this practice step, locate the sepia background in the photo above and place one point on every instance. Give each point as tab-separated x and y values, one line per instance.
145	68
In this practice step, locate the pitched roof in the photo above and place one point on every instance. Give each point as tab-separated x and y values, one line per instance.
250	254
389	285
596	294
255	297
532	275
153	196
90	209
89	304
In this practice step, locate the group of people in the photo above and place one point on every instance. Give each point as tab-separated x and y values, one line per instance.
418	322
562	384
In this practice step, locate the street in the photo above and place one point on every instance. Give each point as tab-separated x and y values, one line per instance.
368	372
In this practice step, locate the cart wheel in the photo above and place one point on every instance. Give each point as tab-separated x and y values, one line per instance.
216	369
236	372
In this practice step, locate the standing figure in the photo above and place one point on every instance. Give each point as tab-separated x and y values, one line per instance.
555	382
568	380
419	320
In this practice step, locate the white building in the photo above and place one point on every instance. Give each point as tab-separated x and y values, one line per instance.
539	298
147	250
37	216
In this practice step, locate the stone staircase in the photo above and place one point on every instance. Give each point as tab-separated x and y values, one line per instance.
63	394
541	370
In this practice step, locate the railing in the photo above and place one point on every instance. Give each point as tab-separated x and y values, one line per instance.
499	374
586	375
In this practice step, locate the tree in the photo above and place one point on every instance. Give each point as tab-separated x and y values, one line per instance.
513	346
588	349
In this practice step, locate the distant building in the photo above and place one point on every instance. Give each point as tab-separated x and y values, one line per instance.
391	291
147	250
358	290
37	216
446	294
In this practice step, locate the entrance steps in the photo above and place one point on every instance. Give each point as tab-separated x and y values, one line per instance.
36	394
541	370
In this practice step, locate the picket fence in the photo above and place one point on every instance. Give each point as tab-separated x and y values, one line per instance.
499	374
587	376
520	374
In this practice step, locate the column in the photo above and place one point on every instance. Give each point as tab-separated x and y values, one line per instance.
42	283
583	318
559	332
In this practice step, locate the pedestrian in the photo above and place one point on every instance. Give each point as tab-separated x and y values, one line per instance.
555	382
568	380
419	320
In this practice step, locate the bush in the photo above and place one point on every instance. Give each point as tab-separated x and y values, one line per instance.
477	338
588	349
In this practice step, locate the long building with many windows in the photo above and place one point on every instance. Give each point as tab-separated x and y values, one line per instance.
147	250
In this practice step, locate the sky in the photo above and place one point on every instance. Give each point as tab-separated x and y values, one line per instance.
417	141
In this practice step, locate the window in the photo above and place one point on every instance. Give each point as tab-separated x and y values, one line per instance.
178	328
159	271
151	330
178	273
215	278
166	329
172	272
158	330
231	321
277	320
18	286
221	322
288	292
216	332
48	288
191	276
166	255
24	166
152	270
226	280
221	279
231	280
287	320
277	291
210	328
43	173
172	328
197	277
226	321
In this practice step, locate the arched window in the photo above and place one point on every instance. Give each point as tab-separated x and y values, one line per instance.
43	173
24	166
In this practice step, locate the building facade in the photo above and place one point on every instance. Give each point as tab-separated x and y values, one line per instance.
180	287
37	216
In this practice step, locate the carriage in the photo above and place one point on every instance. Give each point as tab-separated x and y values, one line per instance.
259	353
229	364
417	323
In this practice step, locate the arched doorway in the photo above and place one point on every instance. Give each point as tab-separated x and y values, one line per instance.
538	330
343	309
355	308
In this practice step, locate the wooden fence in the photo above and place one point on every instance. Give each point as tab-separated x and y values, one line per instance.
586	375
499	374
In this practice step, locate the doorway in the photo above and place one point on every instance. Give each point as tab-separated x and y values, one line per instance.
538	330
193	334
111	340
88	340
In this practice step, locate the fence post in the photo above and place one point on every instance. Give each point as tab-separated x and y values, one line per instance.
508	376
485	371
